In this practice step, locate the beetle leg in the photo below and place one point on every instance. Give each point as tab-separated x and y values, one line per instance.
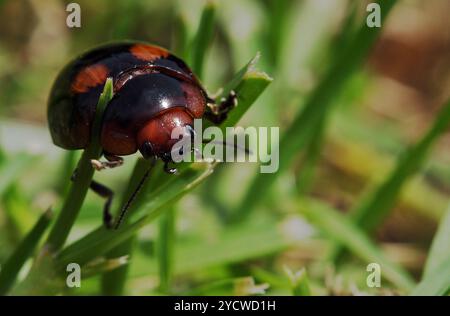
169	169
112	162
107	193
218	112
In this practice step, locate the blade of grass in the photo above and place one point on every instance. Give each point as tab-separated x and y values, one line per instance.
437	282
18	213
203	38
12	266
340	228
302	129
102	240
276	15
371	211
16	207
165	249
440	248
65	172
305	175
113	282
80	184
180	38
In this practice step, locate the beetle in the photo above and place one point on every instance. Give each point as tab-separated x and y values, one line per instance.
154	92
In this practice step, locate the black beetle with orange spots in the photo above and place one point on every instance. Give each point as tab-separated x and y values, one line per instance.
154	92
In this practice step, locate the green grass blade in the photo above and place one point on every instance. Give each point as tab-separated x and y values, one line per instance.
440	248
180	38
165	249
437	282
340	228
113	282
302	130
247	90
305	175
12	266
248	84
18	212
65	172
102	240
375	207
85	172
203	38
277	11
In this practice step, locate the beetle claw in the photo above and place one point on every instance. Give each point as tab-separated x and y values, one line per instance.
170	170
97	165
100	165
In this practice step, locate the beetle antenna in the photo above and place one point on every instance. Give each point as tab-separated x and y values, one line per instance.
133	196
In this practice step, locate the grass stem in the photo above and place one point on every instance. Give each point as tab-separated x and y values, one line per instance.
81	182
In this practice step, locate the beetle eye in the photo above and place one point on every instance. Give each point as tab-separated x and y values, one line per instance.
166	157
146	150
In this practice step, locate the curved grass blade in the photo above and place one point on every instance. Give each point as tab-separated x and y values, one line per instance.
440	248
436	282
203	38
373	209
12	266
102	240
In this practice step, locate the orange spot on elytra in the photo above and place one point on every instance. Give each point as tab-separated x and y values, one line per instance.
147	52
89	77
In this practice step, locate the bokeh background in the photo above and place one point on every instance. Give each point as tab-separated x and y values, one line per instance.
387	105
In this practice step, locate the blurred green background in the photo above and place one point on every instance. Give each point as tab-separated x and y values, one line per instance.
384	107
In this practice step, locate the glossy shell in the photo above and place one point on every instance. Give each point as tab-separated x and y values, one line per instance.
148	80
